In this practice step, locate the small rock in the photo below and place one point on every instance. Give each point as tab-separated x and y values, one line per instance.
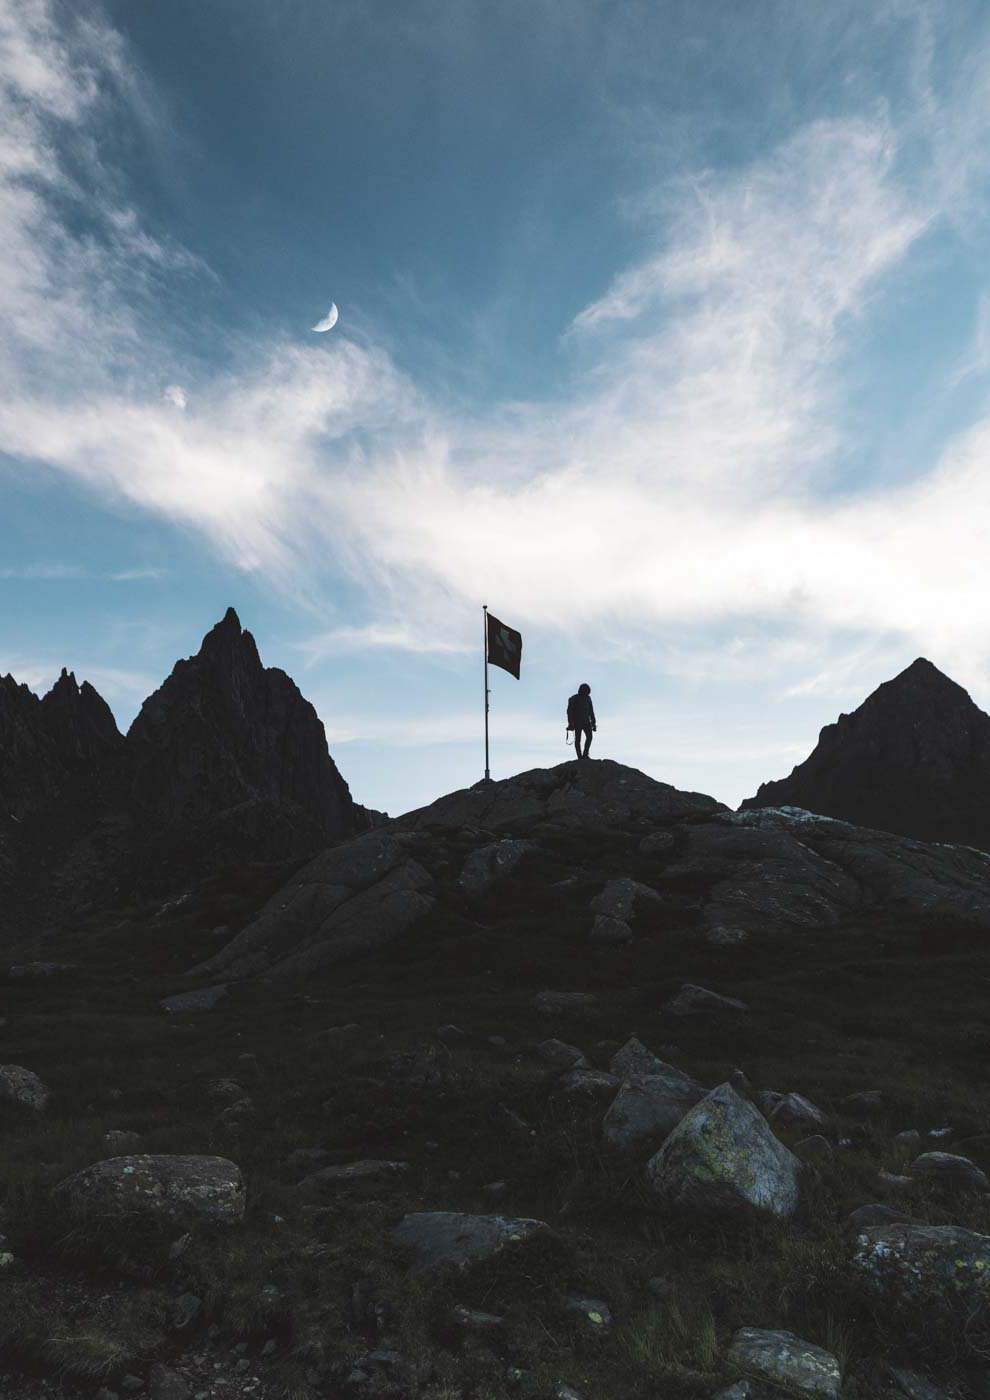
204	999
564	1003
725	935
451	1035
471	1320
766	1101
894	1180
104	1394
564	1392
619	898
594	1311
120	1140
34	971
634	1060
657	843
497	1190
165	1384
131	1384
270	1348
186	1311
794	1110
913	1386
608	932
740	1082
946	1169
945	1132
498	1041
226	1091
560	1056
699	1001
587	1082
447	1238
661	1286
908	1140
22	1087
781	1359
178	1247
866	1104
814	1149
351	1174
865	1217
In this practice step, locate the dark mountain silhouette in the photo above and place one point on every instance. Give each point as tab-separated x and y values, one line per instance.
913	759
226	763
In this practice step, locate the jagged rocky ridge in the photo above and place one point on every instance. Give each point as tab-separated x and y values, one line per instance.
728	875
914	759
226	762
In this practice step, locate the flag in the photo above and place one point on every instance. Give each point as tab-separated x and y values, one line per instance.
504	646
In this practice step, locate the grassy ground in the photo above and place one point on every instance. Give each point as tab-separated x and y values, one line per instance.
900	1008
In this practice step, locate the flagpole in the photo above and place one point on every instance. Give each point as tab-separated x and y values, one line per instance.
484	609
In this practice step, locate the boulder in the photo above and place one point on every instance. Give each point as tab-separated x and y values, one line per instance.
699	1001
785	1361
646	1109
941	1269
441	1239
608	932
946	1169
488	866
657	844
184	1190
723	1160
22	1087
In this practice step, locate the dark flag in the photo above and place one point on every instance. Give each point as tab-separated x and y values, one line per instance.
504	646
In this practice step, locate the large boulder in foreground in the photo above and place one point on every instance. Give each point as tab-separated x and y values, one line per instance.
185	1191
786	1363
941	1270
352	899
448	1239
723	1160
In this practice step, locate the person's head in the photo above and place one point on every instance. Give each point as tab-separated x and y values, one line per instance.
584	689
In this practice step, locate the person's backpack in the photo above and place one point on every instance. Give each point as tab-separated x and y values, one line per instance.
575	717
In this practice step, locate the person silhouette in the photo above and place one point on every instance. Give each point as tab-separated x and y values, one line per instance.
581	718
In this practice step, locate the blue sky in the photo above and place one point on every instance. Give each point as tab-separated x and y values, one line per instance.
664	330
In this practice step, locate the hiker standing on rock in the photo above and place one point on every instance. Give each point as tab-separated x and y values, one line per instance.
581	718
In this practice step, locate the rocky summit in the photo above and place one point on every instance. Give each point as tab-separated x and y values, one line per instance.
913	759
729	876
226	763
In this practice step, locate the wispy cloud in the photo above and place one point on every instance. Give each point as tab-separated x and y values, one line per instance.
58	572
687	476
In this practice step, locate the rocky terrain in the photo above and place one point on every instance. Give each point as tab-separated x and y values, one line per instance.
913	759
226	763
572	1085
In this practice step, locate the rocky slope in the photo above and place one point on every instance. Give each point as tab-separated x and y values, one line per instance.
913	759
226	763
690	864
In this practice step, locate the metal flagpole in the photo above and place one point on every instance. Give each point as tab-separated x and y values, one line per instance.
485	612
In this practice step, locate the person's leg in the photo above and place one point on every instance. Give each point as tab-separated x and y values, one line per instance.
587	741
577	742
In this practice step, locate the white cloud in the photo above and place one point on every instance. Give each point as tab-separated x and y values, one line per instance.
688	477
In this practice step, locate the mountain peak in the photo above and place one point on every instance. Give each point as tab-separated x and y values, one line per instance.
914	758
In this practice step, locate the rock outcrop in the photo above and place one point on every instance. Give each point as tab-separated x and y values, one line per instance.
913	759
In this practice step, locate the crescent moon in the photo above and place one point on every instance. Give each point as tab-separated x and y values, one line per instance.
329	320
